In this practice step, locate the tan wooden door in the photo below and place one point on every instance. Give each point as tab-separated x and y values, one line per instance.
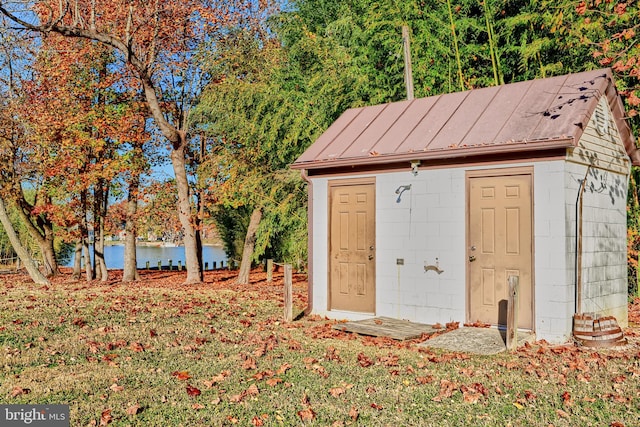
351	246
500	245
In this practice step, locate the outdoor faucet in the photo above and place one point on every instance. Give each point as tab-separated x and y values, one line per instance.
401	190
435	268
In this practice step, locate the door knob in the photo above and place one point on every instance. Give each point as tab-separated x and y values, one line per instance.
472	258
370	257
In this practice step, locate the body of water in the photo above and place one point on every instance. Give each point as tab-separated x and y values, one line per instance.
114	256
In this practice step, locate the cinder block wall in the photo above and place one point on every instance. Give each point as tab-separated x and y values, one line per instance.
428	227
604	237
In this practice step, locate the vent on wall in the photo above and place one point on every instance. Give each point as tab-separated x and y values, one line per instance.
601	117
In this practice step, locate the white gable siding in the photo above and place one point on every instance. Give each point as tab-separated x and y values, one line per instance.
600	144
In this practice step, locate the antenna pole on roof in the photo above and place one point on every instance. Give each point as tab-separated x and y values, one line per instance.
408	74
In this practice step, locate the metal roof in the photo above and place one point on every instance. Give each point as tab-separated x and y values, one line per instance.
527	116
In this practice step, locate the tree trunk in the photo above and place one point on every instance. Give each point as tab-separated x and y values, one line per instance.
84	236
41	230
28	262
194	271
48	256
88	268
99	213
249	245
102	273
77	261
130	272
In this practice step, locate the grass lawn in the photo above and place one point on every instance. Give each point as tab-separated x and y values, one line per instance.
156	353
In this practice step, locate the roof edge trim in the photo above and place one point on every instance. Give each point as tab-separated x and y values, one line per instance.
441	154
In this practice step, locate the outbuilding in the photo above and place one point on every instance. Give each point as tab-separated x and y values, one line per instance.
421	209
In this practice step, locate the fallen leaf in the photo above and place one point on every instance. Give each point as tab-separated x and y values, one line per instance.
136	346
273	381
192	391
446	390
305	399
354	414
79	322
134	409
619	379
253	390
249	364
259	420
376	406
116	388
236	398
562	413
337	391
197	406
364	360
470	395
181	375
307	414
105	417
310	360
217	379
18	391
452	325
424	380
332	354
284	368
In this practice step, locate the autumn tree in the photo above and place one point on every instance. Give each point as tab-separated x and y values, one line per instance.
16	175
158	218
80	123
9	132
156	40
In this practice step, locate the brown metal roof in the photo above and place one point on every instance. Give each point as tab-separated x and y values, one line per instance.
532	116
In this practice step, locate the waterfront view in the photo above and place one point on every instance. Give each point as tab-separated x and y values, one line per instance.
114	256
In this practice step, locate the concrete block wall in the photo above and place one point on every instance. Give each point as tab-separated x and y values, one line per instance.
604	231
554	295
428	227
425	228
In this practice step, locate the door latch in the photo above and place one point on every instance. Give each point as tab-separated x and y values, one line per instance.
472	258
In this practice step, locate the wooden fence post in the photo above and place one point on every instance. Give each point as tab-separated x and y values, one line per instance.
512	313
269	270
170	265
159	265
288	293
179	265
147	265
